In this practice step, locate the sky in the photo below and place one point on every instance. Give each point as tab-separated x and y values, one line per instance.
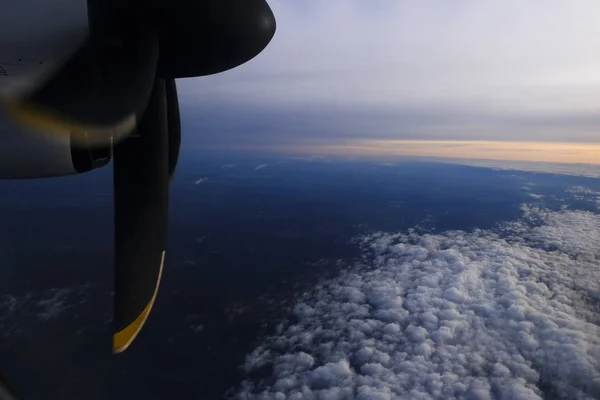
342	72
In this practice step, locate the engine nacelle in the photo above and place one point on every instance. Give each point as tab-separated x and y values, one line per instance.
29	154
33	46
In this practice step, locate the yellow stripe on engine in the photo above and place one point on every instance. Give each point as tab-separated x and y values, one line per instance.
123	338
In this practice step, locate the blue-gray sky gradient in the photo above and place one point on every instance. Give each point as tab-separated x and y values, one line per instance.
340	70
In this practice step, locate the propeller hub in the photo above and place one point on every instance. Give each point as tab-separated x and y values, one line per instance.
207	37
197	37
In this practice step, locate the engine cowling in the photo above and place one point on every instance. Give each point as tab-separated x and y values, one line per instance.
30	154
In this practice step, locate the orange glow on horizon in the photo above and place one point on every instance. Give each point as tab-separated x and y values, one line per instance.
552	152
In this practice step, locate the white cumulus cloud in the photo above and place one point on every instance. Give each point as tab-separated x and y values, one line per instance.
55	305
583	193
507	314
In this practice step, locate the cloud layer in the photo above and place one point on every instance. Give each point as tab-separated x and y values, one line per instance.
583	193
509	314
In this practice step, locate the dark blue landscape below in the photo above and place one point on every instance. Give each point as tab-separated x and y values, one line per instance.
248	234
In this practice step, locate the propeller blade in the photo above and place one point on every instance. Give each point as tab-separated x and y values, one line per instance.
6	392
102	90
141	174
174	124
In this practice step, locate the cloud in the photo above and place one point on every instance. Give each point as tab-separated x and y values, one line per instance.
511	314
53	306
261	166
582	193
201	181
588	170
43	306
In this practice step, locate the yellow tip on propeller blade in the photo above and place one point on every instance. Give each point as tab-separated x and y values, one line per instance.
123	338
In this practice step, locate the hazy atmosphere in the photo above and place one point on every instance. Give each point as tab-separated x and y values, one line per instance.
344	71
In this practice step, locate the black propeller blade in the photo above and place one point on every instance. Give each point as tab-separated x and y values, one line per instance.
141	177
143	165
6	392
174	124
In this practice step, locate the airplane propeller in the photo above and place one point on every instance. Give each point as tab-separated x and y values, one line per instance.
117	92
